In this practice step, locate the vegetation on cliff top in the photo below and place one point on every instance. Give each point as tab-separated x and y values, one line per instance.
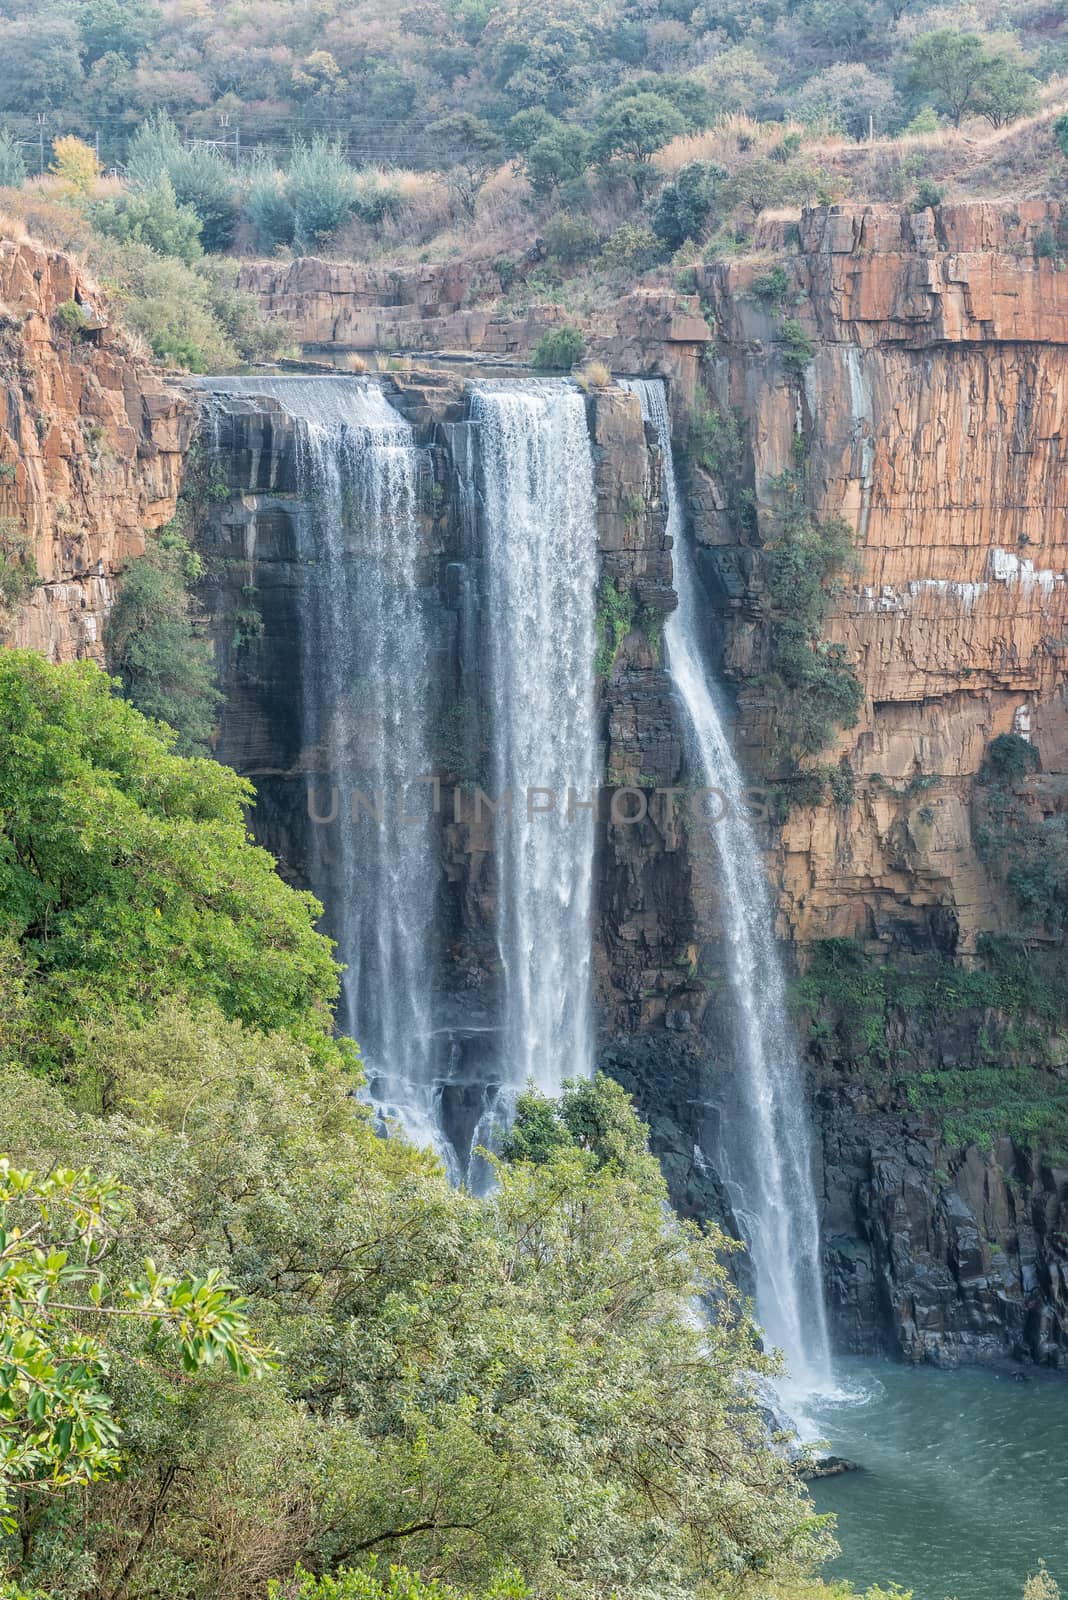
563	148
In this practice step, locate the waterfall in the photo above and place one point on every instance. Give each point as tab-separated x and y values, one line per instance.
541	570
365	690
765	1156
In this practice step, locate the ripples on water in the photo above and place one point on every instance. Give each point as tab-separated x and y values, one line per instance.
965	1481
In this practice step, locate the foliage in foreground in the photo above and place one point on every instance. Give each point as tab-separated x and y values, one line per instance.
468	1385
127	873
57	1427
475	1387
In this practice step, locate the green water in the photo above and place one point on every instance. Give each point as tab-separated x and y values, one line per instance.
965	1480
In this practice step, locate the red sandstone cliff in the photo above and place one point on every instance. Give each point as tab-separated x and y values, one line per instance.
934	418
91	448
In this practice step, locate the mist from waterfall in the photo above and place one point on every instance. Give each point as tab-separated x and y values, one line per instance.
365	693
536	469
765	1159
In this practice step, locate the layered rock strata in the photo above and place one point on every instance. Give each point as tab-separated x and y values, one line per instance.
92	444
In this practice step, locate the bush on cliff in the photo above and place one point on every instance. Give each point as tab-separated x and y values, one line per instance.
817	690
166	669
559	350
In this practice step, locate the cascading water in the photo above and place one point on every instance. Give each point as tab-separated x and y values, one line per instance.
765	1158
365	688
541	571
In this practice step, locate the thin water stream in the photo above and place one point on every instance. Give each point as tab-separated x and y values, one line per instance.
765	1158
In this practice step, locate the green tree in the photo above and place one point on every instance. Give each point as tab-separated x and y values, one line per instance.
42	62
201	180
115	27
629	131
267	206
321	191
554	152
559	350
127	874
57	1425
152	217
1008	92
849	96
959	72
12	165
684	206
468	1386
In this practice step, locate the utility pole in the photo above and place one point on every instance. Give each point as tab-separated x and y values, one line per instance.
40	143
237	146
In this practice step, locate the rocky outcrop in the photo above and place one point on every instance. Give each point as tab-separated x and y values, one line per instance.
447	309
91	449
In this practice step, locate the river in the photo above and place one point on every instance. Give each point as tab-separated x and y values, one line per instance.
964	1480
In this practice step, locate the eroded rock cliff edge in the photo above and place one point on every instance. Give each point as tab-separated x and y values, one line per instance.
92	442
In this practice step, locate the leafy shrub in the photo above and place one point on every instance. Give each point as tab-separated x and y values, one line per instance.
1046	244
843	782
616	611
170	304
321	190
1008	759
568	238
772	286
239	314
166	670
714	438
632	246
127	874
559	350
151	217
268	208
71	317
927	196
684	206
18	570
797	348
316	197
355	1583
817	690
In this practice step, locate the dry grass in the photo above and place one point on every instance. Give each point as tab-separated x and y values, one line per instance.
594	375
12	228
730	140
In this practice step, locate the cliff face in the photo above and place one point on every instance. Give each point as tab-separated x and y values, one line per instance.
932	417
91	451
